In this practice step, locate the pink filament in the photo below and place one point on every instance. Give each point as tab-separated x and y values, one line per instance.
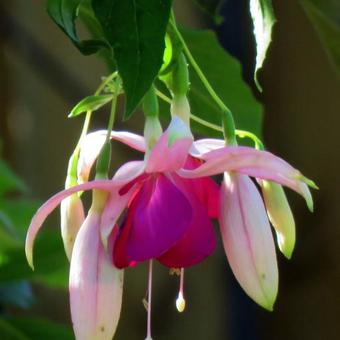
148	335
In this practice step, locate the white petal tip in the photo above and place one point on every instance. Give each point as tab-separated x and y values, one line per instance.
30	262
267	302
286	246
310	203
287	254
29	257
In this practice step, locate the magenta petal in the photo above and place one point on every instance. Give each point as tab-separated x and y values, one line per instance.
161	216
205	188
199	241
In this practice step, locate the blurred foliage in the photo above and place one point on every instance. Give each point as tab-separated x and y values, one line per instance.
16	277
212	8
325	17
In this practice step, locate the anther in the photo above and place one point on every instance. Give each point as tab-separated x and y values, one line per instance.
180	302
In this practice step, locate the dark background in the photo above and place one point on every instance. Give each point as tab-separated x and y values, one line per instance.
42	76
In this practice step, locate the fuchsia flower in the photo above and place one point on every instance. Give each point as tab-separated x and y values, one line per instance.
171	201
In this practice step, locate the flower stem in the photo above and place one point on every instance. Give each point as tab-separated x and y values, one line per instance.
104	158
112	112
89	113
73	163
239	133
148	334
227	115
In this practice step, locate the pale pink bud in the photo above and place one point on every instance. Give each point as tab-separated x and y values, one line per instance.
248	240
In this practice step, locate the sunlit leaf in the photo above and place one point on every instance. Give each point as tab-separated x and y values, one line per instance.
90	103
263	20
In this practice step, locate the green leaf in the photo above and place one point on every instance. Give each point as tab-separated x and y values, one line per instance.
51	263
325	16
90	103
10	332
136	30
90	21
37	328
212	8
8	180
263	20
49	259
225	75
64	14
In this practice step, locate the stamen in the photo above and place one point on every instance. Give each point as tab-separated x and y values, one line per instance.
148	334
180	302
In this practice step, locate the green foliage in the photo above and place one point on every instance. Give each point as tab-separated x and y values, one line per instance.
90	103
15	288
17	294
224	73
8	180
136	31
325	16
64	14
36	329
263	19
212	8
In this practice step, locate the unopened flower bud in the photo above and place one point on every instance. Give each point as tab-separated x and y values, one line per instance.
280	216
72	217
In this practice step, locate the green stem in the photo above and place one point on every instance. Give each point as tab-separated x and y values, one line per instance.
239	133
112	115
163	96
104	158
258	143
227	115
89	113
73	163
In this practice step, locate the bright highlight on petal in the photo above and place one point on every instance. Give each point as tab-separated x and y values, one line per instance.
72	217
92	143
247	239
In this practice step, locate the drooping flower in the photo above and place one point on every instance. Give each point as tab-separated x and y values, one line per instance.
171	201
91	268
244	224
